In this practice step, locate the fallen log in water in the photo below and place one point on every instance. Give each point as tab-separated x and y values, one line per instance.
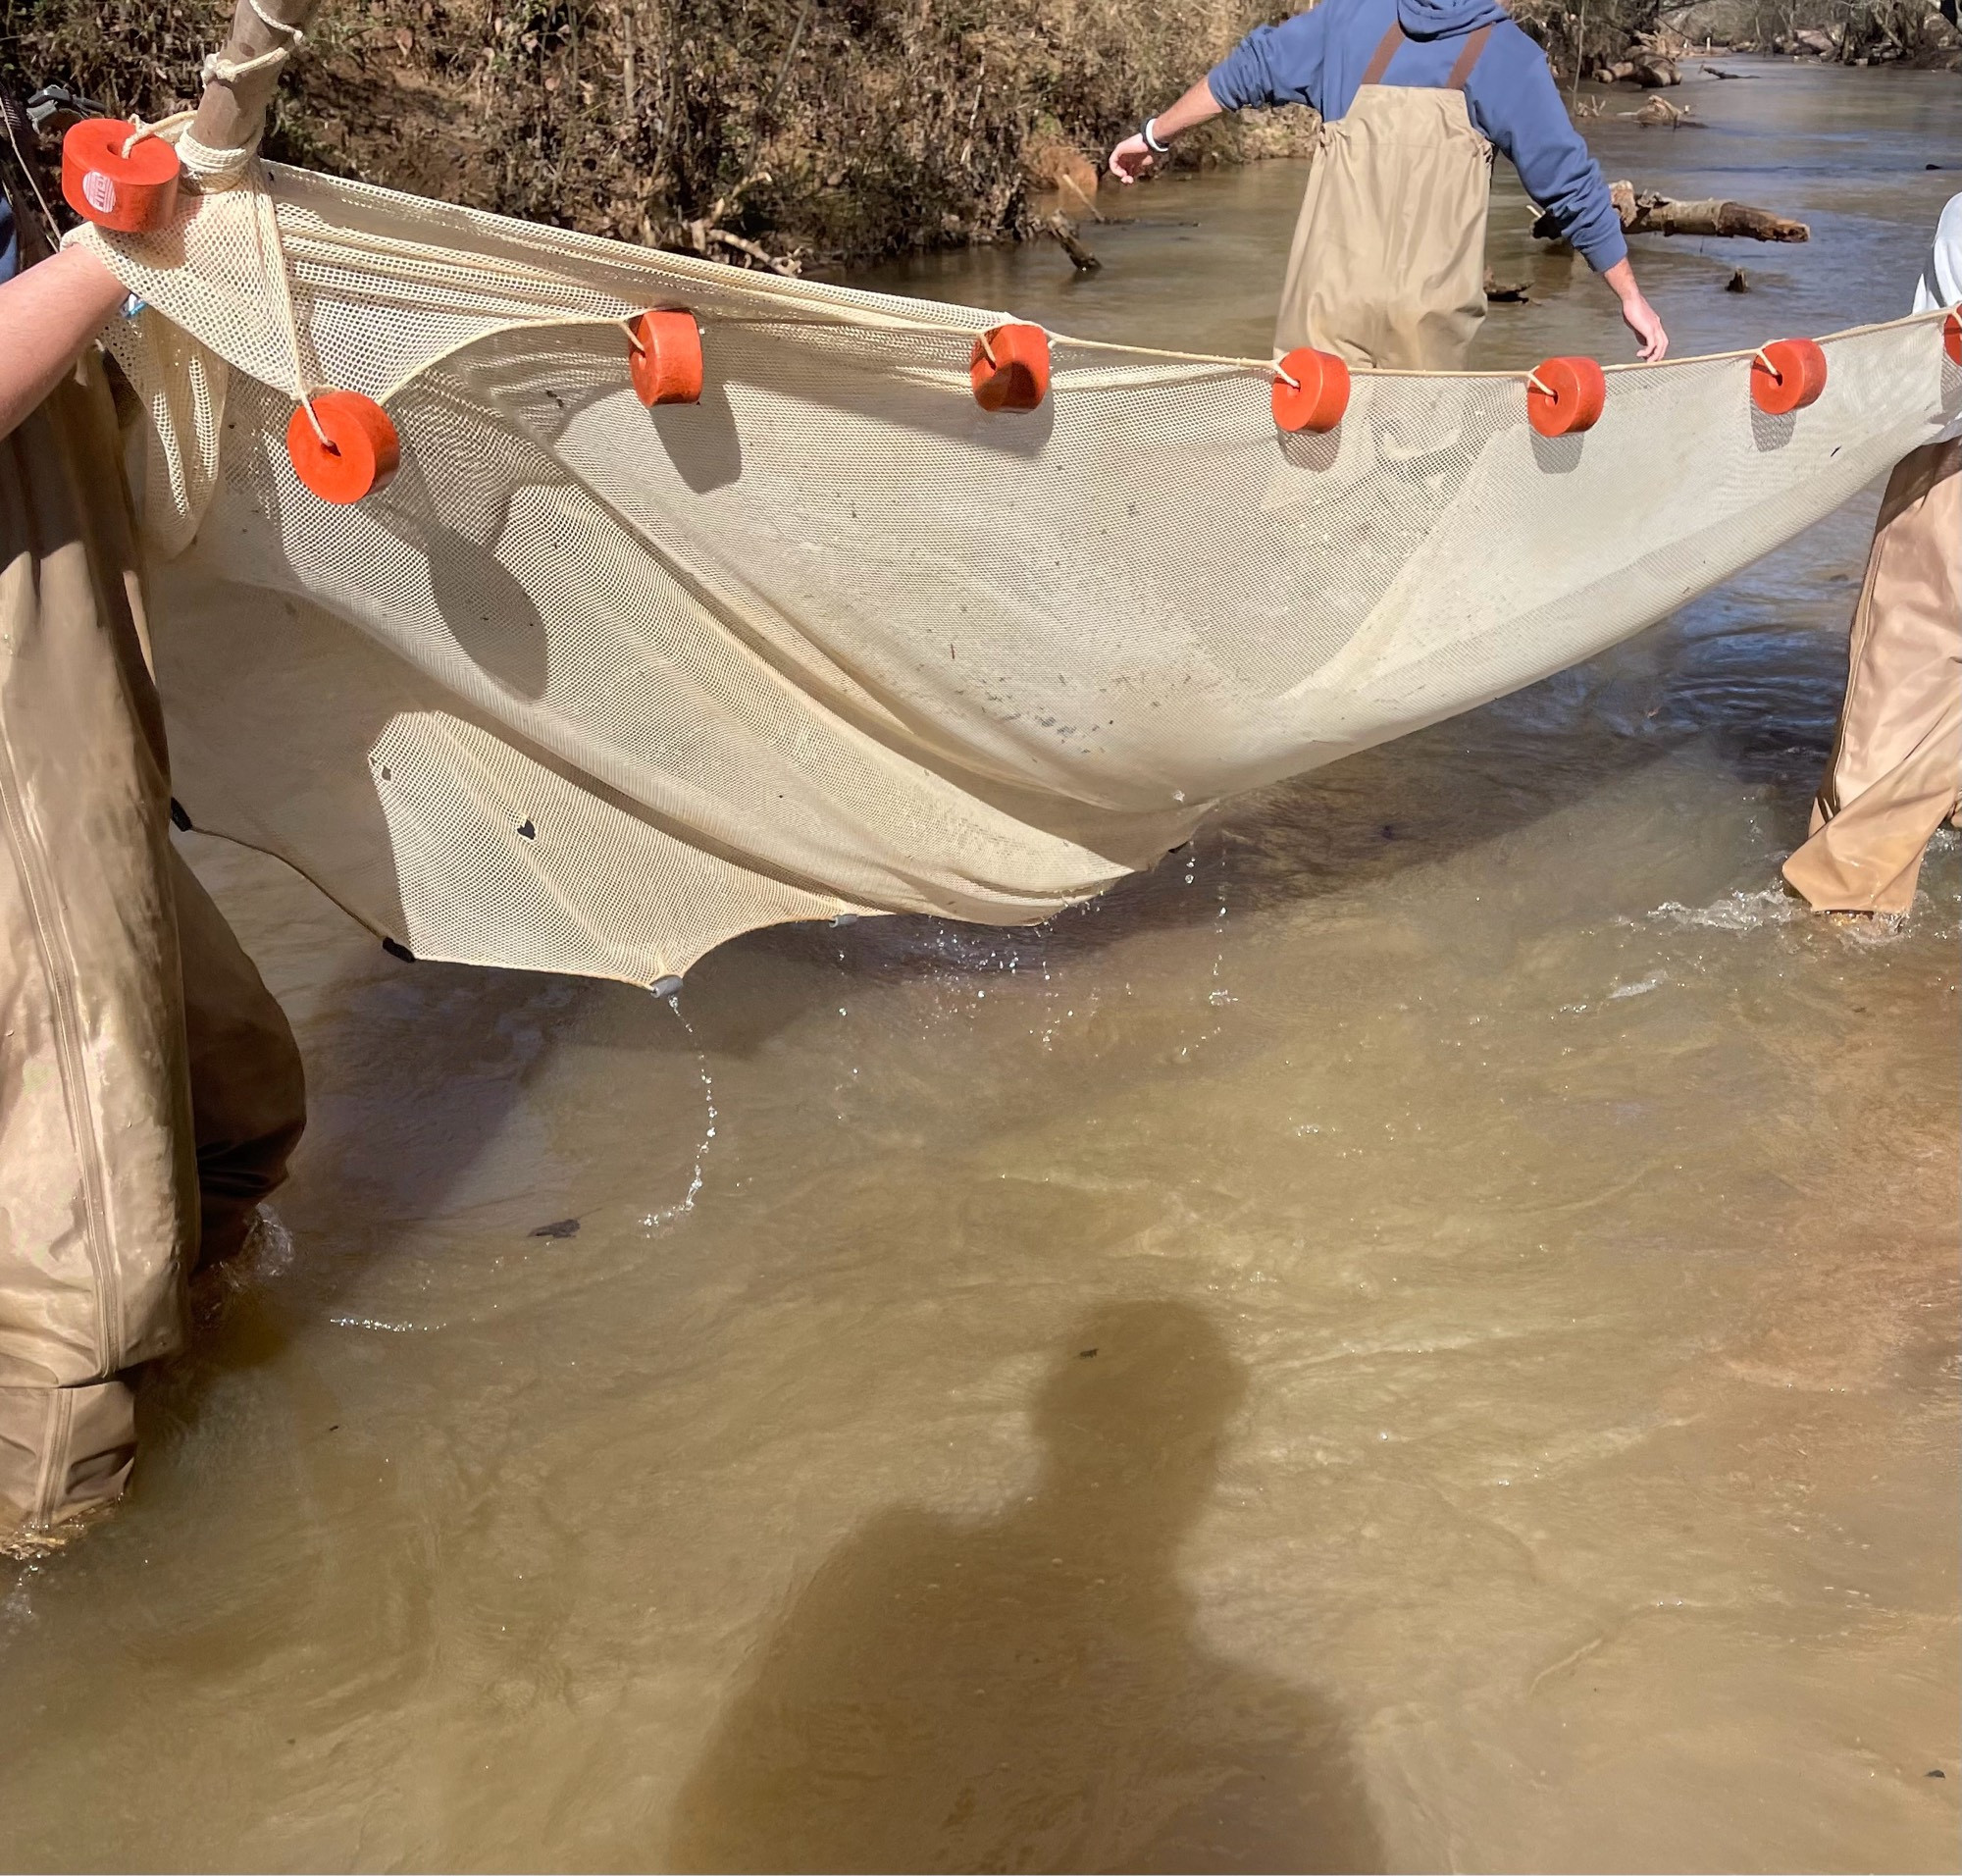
1064	231
1644	212
1659	110
1647	71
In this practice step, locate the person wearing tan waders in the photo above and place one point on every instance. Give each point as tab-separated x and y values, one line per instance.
1895	773
1388	265
149	1087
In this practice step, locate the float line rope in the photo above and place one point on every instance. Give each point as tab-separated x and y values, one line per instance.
819	310
268	213
143	129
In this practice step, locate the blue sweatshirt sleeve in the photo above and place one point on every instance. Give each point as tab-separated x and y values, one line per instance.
1274	65
1515	102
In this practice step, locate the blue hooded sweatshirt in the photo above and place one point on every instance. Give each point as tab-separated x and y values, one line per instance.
1317	58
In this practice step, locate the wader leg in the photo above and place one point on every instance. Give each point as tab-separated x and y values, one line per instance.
140	1055
1896	771
247	1093
97	1180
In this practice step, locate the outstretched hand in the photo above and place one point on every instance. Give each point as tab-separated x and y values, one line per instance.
1642	319
1132	159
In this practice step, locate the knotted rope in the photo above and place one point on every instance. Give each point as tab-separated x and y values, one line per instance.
213	170
143	129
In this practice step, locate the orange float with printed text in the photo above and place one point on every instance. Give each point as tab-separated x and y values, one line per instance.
116	178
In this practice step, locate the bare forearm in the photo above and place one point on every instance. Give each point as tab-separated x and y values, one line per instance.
1134	157
1194	108
48	315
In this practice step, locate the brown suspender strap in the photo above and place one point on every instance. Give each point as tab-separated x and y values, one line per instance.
1384	53
1469	56
1474	50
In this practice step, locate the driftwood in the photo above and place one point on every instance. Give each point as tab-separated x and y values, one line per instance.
1064	231
1651	72
1644	212
702	236
1070	185
1053	168
1659	110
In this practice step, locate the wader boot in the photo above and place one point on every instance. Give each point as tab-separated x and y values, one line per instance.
112	1111
1388	263
1895	773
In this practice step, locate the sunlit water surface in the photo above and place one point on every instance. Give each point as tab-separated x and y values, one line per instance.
1419	1333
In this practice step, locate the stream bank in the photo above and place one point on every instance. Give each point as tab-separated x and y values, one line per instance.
804	134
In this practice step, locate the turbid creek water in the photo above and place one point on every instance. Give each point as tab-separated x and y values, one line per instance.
1420	1334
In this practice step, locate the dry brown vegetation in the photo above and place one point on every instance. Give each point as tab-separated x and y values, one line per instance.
798	132
820	130
1604	33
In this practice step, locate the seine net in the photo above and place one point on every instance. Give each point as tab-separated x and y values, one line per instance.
591	687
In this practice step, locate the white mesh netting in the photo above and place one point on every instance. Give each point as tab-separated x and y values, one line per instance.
591	688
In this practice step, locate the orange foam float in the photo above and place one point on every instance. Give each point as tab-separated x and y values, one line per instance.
116	178
1310	391
1788	375
1566	395
354	452
1951	338
664	359
1009	368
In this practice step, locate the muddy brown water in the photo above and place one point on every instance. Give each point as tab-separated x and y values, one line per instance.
1420	1334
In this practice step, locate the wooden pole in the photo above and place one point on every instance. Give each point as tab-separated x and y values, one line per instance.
231	114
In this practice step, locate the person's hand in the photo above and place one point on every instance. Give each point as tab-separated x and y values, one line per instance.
1640	315
1642	319
1131	160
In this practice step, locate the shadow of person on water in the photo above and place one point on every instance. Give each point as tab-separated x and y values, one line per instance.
1029	1690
